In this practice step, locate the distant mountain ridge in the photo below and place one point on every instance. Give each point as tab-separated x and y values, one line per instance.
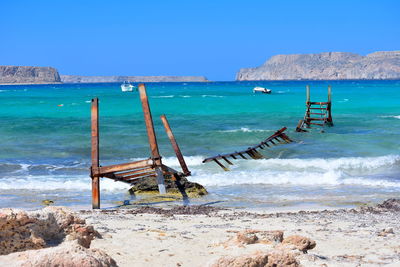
49	75
28	75
113	79
326	66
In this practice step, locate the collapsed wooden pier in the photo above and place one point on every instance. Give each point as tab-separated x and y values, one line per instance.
317	113
279	137
131	171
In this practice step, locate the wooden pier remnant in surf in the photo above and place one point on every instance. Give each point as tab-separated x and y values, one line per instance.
131	171
279	137
317	113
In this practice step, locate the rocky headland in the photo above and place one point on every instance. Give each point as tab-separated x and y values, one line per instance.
120	79
326	66
28	75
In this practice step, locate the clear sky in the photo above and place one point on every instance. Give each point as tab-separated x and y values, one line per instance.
168	37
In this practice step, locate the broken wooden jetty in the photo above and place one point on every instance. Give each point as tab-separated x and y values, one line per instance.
279	137
317	113
132	171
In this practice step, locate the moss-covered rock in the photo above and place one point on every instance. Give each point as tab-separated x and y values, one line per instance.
180	187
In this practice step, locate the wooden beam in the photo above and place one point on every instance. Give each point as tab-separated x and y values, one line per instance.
307	94
152	138
220	164
175	145
124	167
95	153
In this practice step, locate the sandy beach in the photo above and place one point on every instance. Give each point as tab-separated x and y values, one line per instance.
199	236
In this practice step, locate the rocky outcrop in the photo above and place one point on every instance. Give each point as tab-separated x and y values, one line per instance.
53	236
120	79
259	259
21	230
67	254
28	75
326	66
300	242
181	187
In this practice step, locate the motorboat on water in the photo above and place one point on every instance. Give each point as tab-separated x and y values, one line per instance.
127	87
263	90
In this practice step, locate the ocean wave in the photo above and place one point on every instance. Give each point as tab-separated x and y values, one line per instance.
392	116
361	171
163	96
212	96
245	130
46	183
364	171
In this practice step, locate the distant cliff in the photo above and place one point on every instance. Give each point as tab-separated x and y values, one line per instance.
28	75
120	79
326	66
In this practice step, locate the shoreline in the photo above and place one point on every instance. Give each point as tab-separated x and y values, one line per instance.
220	237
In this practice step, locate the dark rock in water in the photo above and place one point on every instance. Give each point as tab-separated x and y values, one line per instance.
390	204
181	187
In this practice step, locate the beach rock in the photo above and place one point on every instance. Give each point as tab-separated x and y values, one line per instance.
258	259
67	254
281	258
390	204
28	74
182	187
326	66
21	230
300	242
247	237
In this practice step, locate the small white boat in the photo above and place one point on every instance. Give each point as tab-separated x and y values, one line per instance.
262	90
126	87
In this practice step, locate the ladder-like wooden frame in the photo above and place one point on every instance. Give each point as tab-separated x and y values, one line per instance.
131	171
325	113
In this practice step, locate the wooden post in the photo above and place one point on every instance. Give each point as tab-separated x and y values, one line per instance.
175	145
329	106
307	94
152	138
95	153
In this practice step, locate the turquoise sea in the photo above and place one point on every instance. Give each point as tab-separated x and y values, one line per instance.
45	141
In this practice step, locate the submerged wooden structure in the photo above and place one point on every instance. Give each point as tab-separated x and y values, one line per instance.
131	171
279	137
317	113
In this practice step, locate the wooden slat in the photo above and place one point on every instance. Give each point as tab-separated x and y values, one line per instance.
175	146
125	166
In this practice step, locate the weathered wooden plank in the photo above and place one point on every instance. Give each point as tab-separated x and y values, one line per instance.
220	164
224	158
152	137
175	145
95	153
124	166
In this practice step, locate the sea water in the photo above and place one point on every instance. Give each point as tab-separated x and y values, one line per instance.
45	142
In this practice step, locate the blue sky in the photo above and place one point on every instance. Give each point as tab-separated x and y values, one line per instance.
210	38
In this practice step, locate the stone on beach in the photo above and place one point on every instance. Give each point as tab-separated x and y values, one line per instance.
300	242
247	237
182	187
67	254
258	259
53	236
21	230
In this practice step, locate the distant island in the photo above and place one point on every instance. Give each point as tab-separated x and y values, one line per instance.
120	79
326	66
28	75
49	75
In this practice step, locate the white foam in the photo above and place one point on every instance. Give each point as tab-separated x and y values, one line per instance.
244	130
212	96
163	96
394	116
43	183
314	172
